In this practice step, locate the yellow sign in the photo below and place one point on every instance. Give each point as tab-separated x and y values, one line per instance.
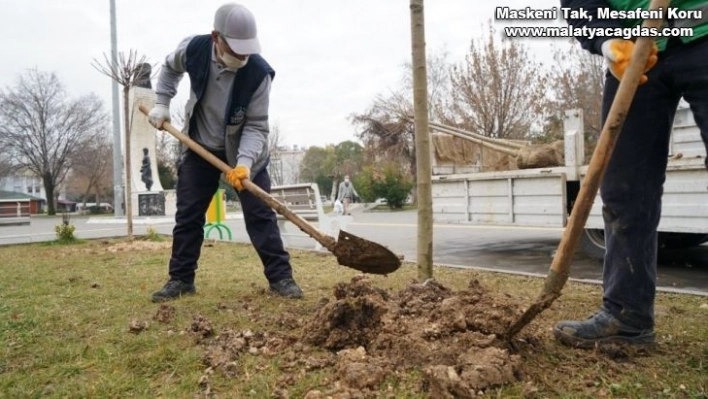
216	215
217	209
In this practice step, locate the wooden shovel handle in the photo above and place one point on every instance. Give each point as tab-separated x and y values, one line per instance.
560	267
605	146
327	241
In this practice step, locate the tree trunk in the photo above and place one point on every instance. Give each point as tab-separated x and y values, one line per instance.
128	174
87	193
49	191
333	193
422	142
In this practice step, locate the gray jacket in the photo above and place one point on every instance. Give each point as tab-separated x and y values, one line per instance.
209	117
346	191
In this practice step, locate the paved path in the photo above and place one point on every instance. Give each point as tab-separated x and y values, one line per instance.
514	250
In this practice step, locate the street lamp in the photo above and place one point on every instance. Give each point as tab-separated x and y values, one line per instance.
117	153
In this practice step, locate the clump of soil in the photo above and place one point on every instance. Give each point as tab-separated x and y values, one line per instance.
201	328
371	335
224	352
353	319
165	314
137	326
452	336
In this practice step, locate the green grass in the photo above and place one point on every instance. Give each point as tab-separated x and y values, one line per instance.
65	312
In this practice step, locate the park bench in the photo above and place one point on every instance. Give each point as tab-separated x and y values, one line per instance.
305	201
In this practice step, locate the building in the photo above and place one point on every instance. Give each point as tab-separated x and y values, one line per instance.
27	183
24	182
13	204
284	166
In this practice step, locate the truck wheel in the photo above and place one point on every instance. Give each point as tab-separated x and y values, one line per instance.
592	243
681	240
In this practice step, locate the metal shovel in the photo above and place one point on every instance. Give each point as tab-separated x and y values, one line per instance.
350	250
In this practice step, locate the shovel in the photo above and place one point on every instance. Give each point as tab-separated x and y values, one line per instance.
560	267
350	250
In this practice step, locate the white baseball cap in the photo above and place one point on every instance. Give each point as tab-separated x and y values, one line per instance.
238	27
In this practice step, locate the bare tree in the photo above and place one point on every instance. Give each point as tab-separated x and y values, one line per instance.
169	149
92	166
386	127
498	91
127	72
387	130
578	81
275	147
41	127
438	84
6	166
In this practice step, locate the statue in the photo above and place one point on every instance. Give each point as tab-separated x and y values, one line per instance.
142	76
146	170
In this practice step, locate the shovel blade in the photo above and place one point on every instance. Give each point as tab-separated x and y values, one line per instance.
365	255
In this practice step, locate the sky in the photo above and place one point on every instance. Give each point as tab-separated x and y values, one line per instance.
332	57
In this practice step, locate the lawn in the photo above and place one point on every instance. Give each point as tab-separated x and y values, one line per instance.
76	321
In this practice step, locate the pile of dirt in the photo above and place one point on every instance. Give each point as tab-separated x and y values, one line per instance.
354	319
452	336
370	335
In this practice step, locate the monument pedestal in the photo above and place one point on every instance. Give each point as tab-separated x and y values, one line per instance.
151	204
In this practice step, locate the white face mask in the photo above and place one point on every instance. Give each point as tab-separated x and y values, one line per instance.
230	61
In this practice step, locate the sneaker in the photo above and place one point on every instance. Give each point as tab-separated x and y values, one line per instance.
600	328
287	288
173	290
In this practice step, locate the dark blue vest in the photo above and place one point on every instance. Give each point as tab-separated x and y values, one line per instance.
247	80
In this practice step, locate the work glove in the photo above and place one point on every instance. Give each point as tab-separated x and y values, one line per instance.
159	114
237	174
618	53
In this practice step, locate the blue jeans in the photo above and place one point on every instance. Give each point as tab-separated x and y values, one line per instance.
633	184
197	182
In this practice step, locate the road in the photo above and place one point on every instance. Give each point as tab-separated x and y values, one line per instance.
503	249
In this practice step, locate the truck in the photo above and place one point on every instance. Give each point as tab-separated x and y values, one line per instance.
544	197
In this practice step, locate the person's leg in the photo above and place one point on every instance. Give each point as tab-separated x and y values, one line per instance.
692	78
345	205
197	183
631	193
262	228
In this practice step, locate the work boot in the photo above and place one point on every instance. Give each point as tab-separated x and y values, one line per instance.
600	328
287	288
173	290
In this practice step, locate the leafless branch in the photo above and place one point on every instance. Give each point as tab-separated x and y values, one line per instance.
41	127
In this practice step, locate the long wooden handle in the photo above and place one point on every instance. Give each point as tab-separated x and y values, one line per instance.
560	267
605	146
327	241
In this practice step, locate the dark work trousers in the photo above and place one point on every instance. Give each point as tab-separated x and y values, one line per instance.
633	184
196	184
